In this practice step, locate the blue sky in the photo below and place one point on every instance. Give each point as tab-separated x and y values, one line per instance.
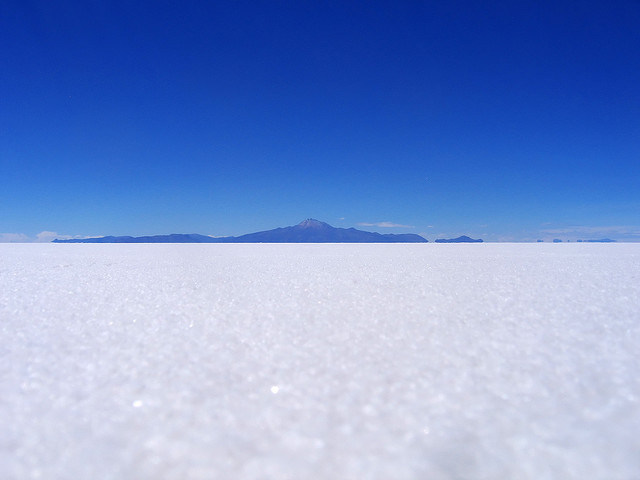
504	120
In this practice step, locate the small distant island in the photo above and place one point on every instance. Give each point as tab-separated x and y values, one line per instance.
461	239
308	231
601	240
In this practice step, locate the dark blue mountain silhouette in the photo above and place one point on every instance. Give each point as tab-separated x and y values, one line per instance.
314	231
462	239
309	231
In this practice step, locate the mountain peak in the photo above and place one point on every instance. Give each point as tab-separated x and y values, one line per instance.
312	223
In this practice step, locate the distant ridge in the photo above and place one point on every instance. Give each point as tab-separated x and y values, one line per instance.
462	239
308	231
173	238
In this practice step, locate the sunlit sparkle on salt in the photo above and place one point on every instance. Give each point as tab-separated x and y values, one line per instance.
401	361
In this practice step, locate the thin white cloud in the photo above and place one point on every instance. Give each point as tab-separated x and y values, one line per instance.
42	237
620	231
47	236
384	225
14	238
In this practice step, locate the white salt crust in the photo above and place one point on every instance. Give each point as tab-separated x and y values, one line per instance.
415	361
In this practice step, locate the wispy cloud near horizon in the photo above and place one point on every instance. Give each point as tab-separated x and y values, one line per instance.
626	232
14	238
384	225
47	236
42	237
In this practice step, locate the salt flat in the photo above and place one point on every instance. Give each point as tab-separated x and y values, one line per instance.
319	361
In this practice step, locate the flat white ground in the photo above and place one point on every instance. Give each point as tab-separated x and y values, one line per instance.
319	361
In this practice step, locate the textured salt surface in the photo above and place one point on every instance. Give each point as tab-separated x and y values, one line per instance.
319	361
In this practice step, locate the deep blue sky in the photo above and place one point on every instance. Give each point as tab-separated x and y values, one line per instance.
510	120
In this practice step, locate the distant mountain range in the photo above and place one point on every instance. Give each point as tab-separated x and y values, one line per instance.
308	231
462	239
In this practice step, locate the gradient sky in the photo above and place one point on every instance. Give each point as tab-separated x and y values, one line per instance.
506	120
